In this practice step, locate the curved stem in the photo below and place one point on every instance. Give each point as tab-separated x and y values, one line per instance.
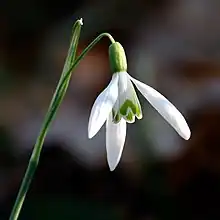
82	55
55	103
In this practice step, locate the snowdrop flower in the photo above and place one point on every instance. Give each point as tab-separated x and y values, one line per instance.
118	104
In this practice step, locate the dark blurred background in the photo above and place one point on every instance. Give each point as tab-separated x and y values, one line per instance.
172	45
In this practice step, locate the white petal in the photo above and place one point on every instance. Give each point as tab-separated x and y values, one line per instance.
115	139
125	86
103	106
165	108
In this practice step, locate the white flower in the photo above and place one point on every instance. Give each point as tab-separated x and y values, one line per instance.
119	104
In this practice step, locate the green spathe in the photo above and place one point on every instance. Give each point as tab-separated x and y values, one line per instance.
117	57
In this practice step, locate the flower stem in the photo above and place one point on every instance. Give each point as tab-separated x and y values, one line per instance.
85	51
55	103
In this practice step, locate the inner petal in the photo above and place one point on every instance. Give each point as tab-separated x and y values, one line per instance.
128	105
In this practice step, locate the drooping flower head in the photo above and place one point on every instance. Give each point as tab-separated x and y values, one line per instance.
118	104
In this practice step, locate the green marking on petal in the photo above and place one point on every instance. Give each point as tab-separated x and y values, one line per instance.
130	109
130	118
139	114
125	107
138	109
116	117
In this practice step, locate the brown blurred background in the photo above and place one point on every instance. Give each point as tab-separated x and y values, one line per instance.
172	45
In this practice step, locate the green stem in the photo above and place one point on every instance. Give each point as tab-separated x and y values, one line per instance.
85	51
55	103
